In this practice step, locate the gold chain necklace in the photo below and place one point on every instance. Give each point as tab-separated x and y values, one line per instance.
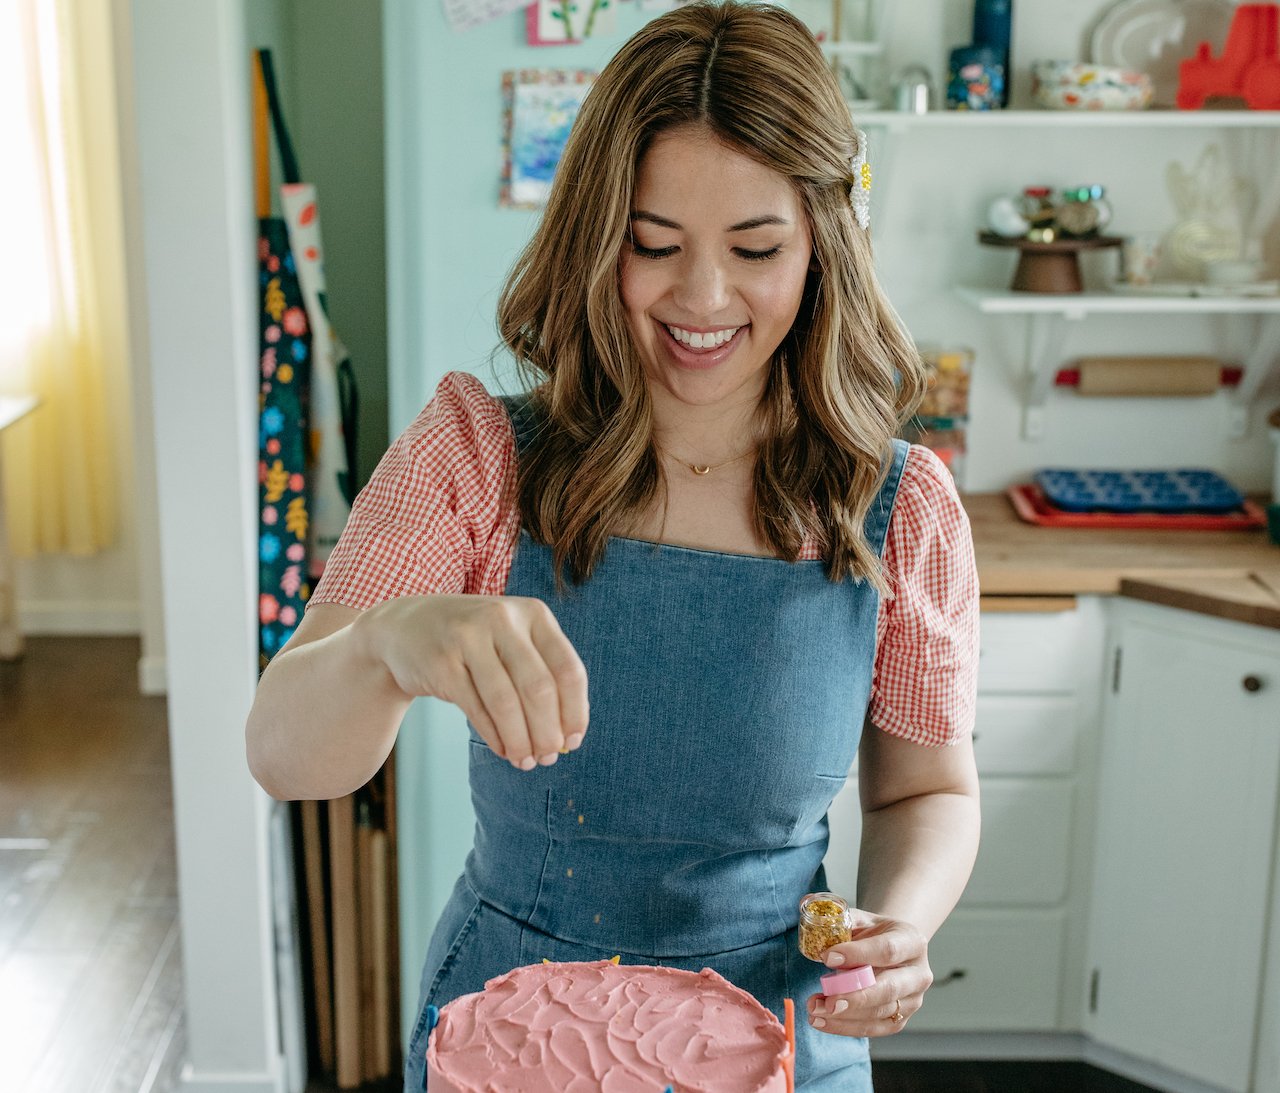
701	469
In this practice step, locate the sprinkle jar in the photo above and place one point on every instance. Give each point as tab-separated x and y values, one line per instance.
824	921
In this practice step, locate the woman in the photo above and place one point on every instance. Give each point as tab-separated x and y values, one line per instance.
701	518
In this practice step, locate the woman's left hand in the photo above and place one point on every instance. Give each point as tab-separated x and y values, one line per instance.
898	953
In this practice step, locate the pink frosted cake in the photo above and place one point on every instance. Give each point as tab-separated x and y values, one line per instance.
584	1028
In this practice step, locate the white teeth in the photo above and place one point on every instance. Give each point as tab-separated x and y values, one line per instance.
702	341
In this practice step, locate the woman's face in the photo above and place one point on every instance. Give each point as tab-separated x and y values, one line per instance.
715	268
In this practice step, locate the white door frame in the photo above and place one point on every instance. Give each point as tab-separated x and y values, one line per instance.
191	81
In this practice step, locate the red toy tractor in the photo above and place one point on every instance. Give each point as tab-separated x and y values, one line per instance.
1248	69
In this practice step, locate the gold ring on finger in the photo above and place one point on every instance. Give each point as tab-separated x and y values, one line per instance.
897	1014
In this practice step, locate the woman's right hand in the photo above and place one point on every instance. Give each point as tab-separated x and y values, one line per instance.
503	660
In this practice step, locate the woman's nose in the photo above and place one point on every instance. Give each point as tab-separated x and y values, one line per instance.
701	288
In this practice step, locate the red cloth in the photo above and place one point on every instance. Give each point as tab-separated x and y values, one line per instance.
430	520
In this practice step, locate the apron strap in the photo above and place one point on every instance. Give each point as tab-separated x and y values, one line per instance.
876	526
288	161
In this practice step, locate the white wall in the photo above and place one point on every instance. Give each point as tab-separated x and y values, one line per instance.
198	236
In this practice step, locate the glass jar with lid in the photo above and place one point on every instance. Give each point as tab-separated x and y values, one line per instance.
826	920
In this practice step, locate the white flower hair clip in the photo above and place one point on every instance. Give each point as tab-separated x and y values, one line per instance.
860	183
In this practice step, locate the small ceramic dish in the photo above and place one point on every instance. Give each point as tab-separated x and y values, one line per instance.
1076	85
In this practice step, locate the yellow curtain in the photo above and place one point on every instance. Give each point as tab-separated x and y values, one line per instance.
61	274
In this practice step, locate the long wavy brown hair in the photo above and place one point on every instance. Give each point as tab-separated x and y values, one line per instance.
842	382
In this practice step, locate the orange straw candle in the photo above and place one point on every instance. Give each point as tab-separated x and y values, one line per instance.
789	1011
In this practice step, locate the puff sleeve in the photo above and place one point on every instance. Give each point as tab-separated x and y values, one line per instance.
925	679
433	518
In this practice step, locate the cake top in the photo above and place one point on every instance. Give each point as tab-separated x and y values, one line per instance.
597	1026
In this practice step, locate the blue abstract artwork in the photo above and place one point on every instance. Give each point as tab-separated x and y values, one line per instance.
541	107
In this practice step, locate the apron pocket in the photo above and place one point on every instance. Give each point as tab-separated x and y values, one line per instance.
418	1041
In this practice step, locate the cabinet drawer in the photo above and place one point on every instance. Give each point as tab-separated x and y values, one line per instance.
1026	842
1033	652
994	972
1024	857
1025	734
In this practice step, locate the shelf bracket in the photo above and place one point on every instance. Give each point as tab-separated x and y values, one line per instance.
1046	331
1258	362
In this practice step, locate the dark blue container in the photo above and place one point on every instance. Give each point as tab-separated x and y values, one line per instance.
993	26
993	22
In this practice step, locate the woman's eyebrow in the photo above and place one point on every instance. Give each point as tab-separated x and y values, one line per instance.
746	225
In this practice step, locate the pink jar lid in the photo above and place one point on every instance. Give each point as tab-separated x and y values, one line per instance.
849	980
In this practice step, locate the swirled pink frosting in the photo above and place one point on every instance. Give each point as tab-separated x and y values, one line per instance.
600	1028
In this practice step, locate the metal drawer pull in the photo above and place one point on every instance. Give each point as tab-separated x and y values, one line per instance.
1252	684
958	973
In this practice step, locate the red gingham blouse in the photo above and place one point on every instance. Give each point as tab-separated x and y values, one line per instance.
430	521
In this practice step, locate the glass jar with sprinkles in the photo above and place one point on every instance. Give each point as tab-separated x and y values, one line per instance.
824	921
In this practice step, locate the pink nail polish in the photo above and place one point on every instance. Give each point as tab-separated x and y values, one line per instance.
818	1022
528	763
547	760
840	1006
834	960
574	742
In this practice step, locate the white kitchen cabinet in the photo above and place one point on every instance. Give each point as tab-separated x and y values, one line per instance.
1003	958
1186	846
1011	953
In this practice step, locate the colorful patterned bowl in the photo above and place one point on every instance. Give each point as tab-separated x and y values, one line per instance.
1075	85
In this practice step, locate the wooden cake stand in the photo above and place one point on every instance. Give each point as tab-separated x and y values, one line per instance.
1049	267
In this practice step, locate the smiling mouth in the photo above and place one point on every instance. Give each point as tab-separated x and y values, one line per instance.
702	341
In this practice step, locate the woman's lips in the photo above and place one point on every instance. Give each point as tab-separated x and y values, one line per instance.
687	357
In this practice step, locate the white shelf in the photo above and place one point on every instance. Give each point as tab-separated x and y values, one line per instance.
1077	305
1006	119
851	48
1048	315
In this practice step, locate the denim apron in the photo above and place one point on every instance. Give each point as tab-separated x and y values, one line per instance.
728	694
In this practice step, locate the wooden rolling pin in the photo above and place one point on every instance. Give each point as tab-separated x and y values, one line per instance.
1149	375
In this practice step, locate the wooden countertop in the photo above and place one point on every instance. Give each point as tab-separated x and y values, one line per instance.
1232	574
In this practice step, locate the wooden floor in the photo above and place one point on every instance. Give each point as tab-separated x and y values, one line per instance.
90	972
90	977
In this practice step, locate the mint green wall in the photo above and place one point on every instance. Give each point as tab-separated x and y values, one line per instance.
449	247
336	82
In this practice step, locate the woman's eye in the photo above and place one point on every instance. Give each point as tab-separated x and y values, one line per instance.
741	252
649	252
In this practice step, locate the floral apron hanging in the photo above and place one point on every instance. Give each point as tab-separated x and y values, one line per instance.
284	364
